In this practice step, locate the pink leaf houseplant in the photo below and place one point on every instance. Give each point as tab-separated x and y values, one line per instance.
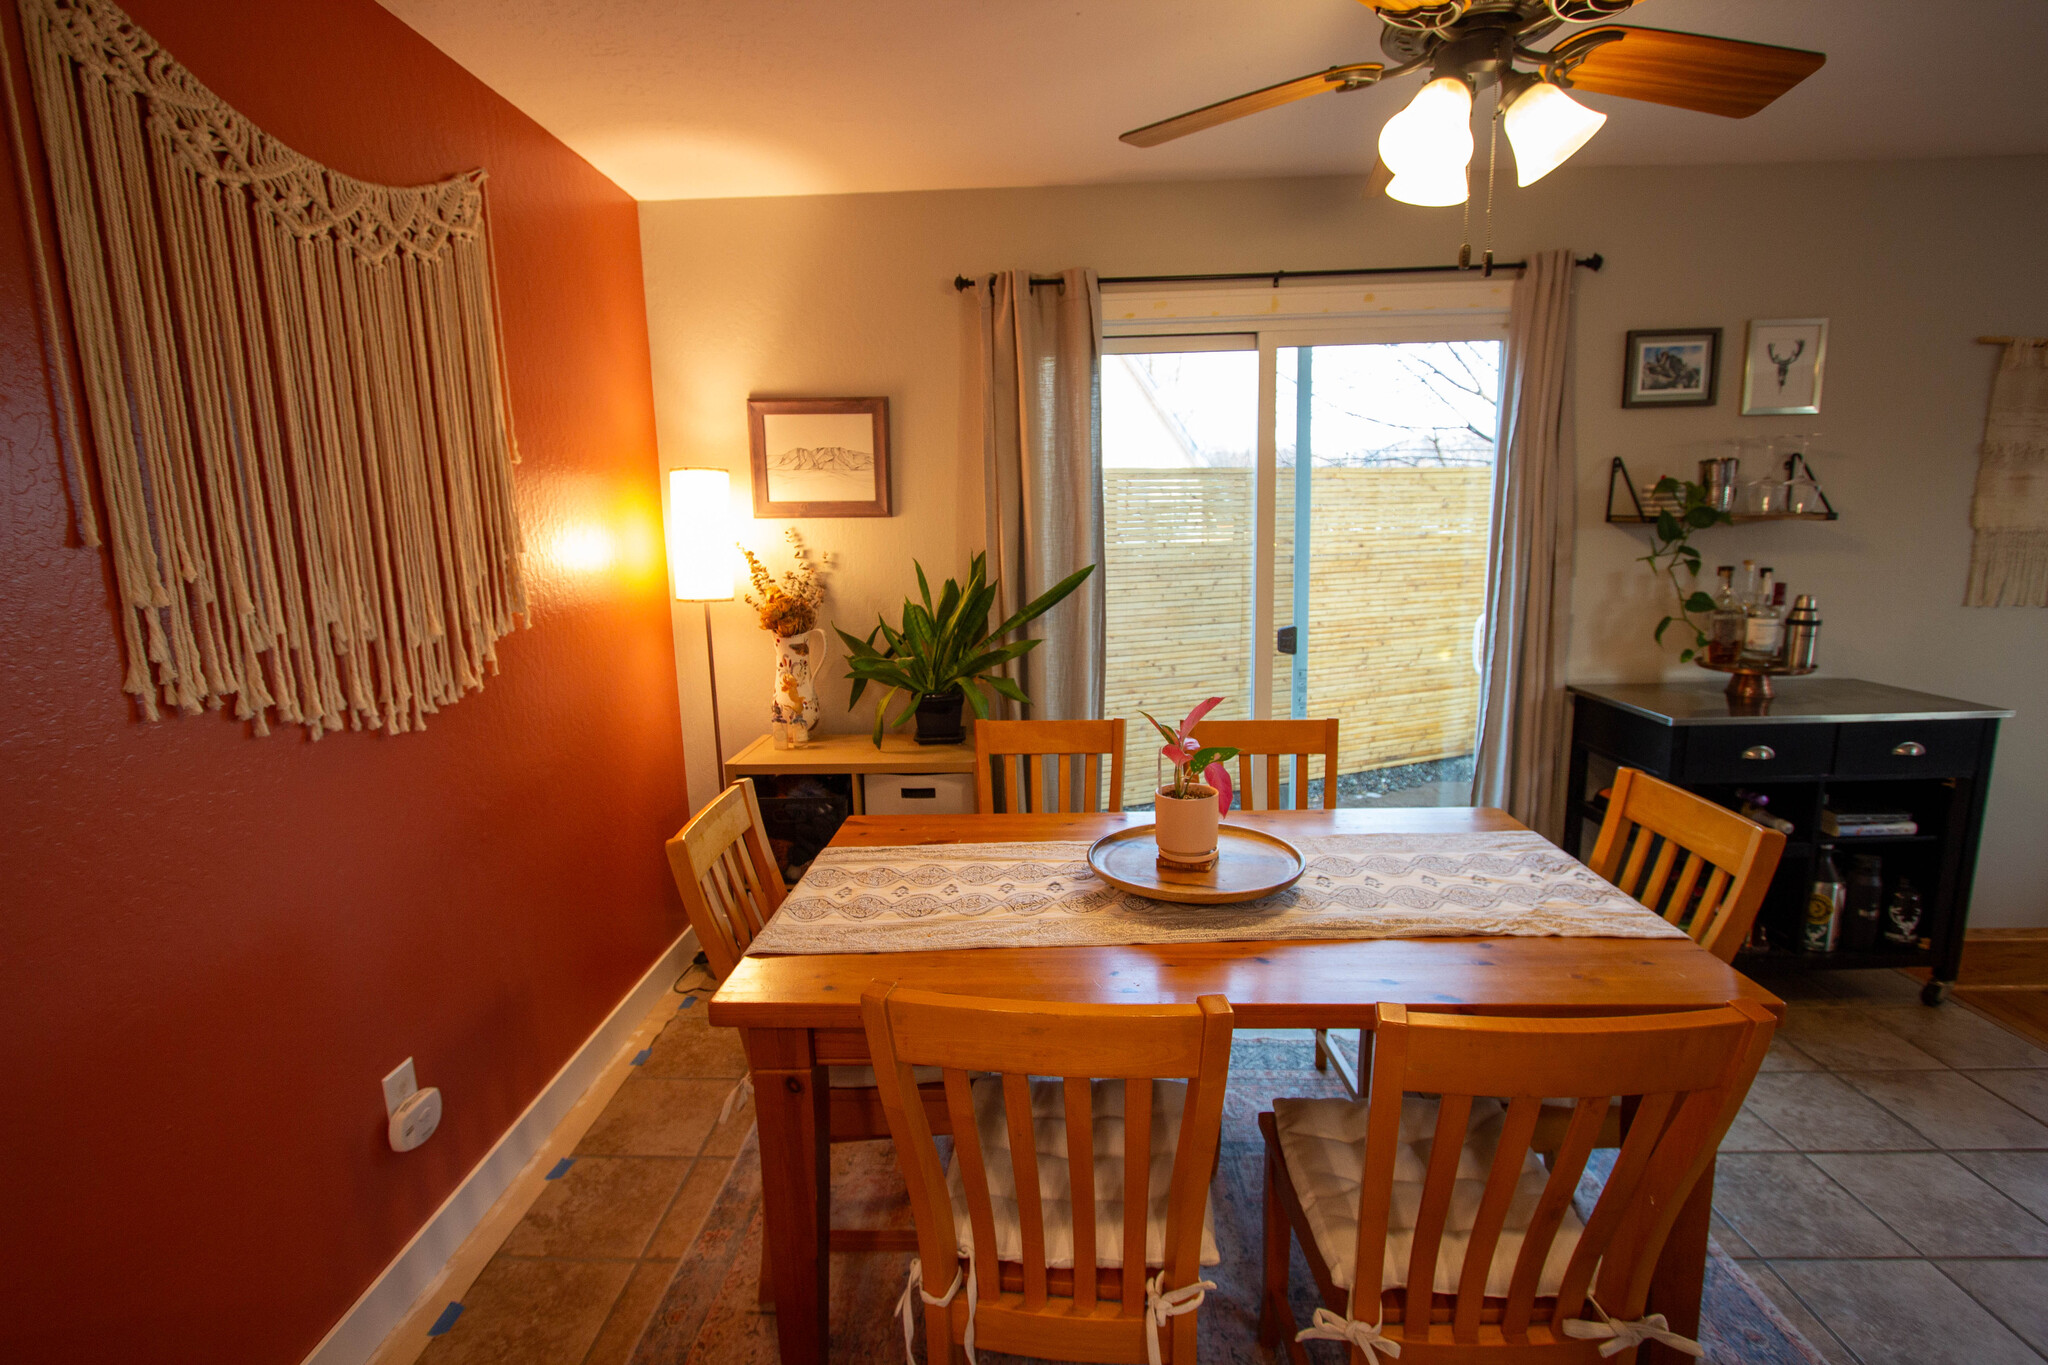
1191	806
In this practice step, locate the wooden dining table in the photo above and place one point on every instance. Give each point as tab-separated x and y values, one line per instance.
801	1014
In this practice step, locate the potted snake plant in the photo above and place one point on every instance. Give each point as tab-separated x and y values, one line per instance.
944	653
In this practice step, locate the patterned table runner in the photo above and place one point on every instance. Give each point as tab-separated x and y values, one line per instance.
1357	886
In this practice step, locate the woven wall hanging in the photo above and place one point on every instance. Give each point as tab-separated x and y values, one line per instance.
295	389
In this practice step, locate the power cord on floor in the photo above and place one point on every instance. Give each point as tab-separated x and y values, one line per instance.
701	966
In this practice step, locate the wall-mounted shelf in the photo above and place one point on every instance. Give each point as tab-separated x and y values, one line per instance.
1633	513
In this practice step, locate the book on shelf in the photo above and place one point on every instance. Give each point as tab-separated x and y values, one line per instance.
1867	824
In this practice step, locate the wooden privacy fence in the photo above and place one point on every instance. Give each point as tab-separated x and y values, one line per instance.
1397	582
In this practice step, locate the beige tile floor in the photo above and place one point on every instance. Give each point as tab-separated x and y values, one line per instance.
1887	1184
579	1276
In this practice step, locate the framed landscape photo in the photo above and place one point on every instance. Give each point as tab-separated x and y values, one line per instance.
1782	368
820	457
1675	368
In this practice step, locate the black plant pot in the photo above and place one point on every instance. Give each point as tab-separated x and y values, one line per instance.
938	717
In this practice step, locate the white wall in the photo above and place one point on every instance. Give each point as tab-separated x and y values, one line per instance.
852	295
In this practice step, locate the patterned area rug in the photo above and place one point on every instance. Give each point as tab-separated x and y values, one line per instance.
708	1313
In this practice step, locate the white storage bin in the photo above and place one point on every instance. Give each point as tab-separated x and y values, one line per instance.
920	793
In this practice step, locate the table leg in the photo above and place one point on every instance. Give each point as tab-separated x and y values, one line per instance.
793	1125
1677	1283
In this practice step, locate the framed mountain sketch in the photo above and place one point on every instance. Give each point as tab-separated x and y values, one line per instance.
820	457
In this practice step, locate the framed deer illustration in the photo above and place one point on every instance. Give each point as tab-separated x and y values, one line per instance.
1781	372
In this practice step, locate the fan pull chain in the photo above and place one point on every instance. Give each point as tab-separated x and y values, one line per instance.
1465	227
1492	146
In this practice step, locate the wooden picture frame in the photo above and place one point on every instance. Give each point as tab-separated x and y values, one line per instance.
1782	366
820	457
1677	367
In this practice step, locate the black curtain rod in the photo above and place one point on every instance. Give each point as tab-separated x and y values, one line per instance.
1592	262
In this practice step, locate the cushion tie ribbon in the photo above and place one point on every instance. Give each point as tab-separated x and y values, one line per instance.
1162	1303
1620	1336
1364	1335
906	1311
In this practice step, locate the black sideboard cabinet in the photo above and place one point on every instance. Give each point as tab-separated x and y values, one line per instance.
1822	743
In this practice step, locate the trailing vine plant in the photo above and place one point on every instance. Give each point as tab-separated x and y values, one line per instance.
1671	549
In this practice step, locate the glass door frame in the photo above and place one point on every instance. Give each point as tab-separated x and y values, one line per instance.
1208	317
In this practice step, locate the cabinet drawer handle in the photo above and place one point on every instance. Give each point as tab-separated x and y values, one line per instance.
1760	751
1912	748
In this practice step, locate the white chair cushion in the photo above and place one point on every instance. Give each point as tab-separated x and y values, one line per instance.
1049	1124
862	1077
1324	1143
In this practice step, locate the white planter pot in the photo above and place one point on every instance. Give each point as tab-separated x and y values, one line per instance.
1186	826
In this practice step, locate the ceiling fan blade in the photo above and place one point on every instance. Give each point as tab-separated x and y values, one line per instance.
1223	111
1685	70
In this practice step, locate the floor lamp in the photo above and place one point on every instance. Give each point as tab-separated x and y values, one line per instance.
700	561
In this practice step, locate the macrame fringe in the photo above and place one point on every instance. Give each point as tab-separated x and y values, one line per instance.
295	387
2009	513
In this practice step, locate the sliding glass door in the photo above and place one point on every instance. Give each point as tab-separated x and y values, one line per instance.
1297	519
1380	558
1179	449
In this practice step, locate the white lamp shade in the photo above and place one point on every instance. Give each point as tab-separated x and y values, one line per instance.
1545	126
700	546
1433	135
1431	189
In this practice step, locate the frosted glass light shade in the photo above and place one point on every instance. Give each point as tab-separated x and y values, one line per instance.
1433	135
700	553
1545	126
1430	189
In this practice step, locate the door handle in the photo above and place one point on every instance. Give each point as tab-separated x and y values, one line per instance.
1912	748
1760	751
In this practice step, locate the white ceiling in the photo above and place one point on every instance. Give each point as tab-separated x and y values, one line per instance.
689	99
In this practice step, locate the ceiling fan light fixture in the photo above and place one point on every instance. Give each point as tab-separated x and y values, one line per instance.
1545	126
1432	137
1429	189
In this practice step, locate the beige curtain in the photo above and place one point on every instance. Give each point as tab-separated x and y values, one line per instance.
1522	713
2009	554
1041	448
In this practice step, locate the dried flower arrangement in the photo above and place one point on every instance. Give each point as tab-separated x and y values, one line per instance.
790	606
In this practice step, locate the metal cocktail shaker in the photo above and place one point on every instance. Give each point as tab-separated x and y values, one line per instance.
1718	478
1802	632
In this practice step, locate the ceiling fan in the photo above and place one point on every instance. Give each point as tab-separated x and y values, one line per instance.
1468	45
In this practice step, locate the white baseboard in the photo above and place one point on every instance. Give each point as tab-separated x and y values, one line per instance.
394	1295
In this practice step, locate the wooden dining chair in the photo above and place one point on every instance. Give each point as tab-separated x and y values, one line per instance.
1273	740
1014	758
1430	1222
1651	824
1014	1253
730	886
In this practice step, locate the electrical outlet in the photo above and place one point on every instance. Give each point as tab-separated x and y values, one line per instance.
398	1086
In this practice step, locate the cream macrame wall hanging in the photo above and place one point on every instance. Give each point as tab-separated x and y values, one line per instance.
296	397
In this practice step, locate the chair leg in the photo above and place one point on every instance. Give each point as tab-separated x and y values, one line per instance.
764	1296
1322	1049
1276	1316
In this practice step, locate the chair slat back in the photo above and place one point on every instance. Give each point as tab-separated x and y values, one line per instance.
1016	1042
727	875
1274	740
1047	766
1683	1075
1723	861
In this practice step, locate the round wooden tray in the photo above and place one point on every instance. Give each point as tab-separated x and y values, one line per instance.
1249	864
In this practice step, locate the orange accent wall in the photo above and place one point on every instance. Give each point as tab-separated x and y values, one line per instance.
212	946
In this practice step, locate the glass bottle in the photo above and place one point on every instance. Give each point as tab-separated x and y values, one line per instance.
1727	623
1903	915
1863	907
1764	632
1824	906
